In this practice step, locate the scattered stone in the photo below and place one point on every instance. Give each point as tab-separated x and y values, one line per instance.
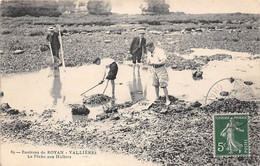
1	94
20	125
224	93
4	107
18	51
174	66
111	110
102	116
44	47
156	32
248	83
47	113
231	80
5	32
12	111
107	41
96	99
115	118
197	74
196	104
78	109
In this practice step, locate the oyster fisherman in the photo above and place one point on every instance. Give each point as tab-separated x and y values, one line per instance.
111	65
53	38
137	47
156	58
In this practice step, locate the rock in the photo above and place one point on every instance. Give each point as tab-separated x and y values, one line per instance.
4	32
4	107
111	110
21	125
1	52
248	83
196	104
47	113
96	99
141	28
44	47
1	94
224	93
197	74
102	116
108	32
18	51
115	118
12	111
174	66
156	32
107	41
78	109
231	80
168	164
198	30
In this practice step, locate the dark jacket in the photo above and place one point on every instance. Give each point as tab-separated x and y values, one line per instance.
135	45
54	39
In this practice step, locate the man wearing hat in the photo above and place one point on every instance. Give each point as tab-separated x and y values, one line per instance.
137	47
53	38
156	58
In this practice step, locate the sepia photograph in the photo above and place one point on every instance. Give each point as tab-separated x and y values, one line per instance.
129	82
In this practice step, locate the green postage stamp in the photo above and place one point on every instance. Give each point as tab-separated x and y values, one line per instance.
231	135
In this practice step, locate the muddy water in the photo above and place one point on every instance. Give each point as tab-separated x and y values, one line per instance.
57	88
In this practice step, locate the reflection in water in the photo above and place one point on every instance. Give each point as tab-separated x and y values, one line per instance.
56	88
136	88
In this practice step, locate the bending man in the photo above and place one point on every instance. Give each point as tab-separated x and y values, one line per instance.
108	63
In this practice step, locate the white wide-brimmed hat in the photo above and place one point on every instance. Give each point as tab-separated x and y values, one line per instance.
51	28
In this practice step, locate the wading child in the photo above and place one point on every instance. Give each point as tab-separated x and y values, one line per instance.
108	63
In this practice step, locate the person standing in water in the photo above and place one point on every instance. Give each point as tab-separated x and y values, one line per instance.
156	58
111	65
53	39
137	47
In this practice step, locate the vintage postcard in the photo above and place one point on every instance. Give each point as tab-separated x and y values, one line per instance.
129	82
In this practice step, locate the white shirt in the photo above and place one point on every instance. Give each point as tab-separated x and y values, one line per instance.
158	56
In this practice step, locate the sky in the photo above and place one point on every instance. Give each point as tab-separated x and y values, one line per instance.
192	6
